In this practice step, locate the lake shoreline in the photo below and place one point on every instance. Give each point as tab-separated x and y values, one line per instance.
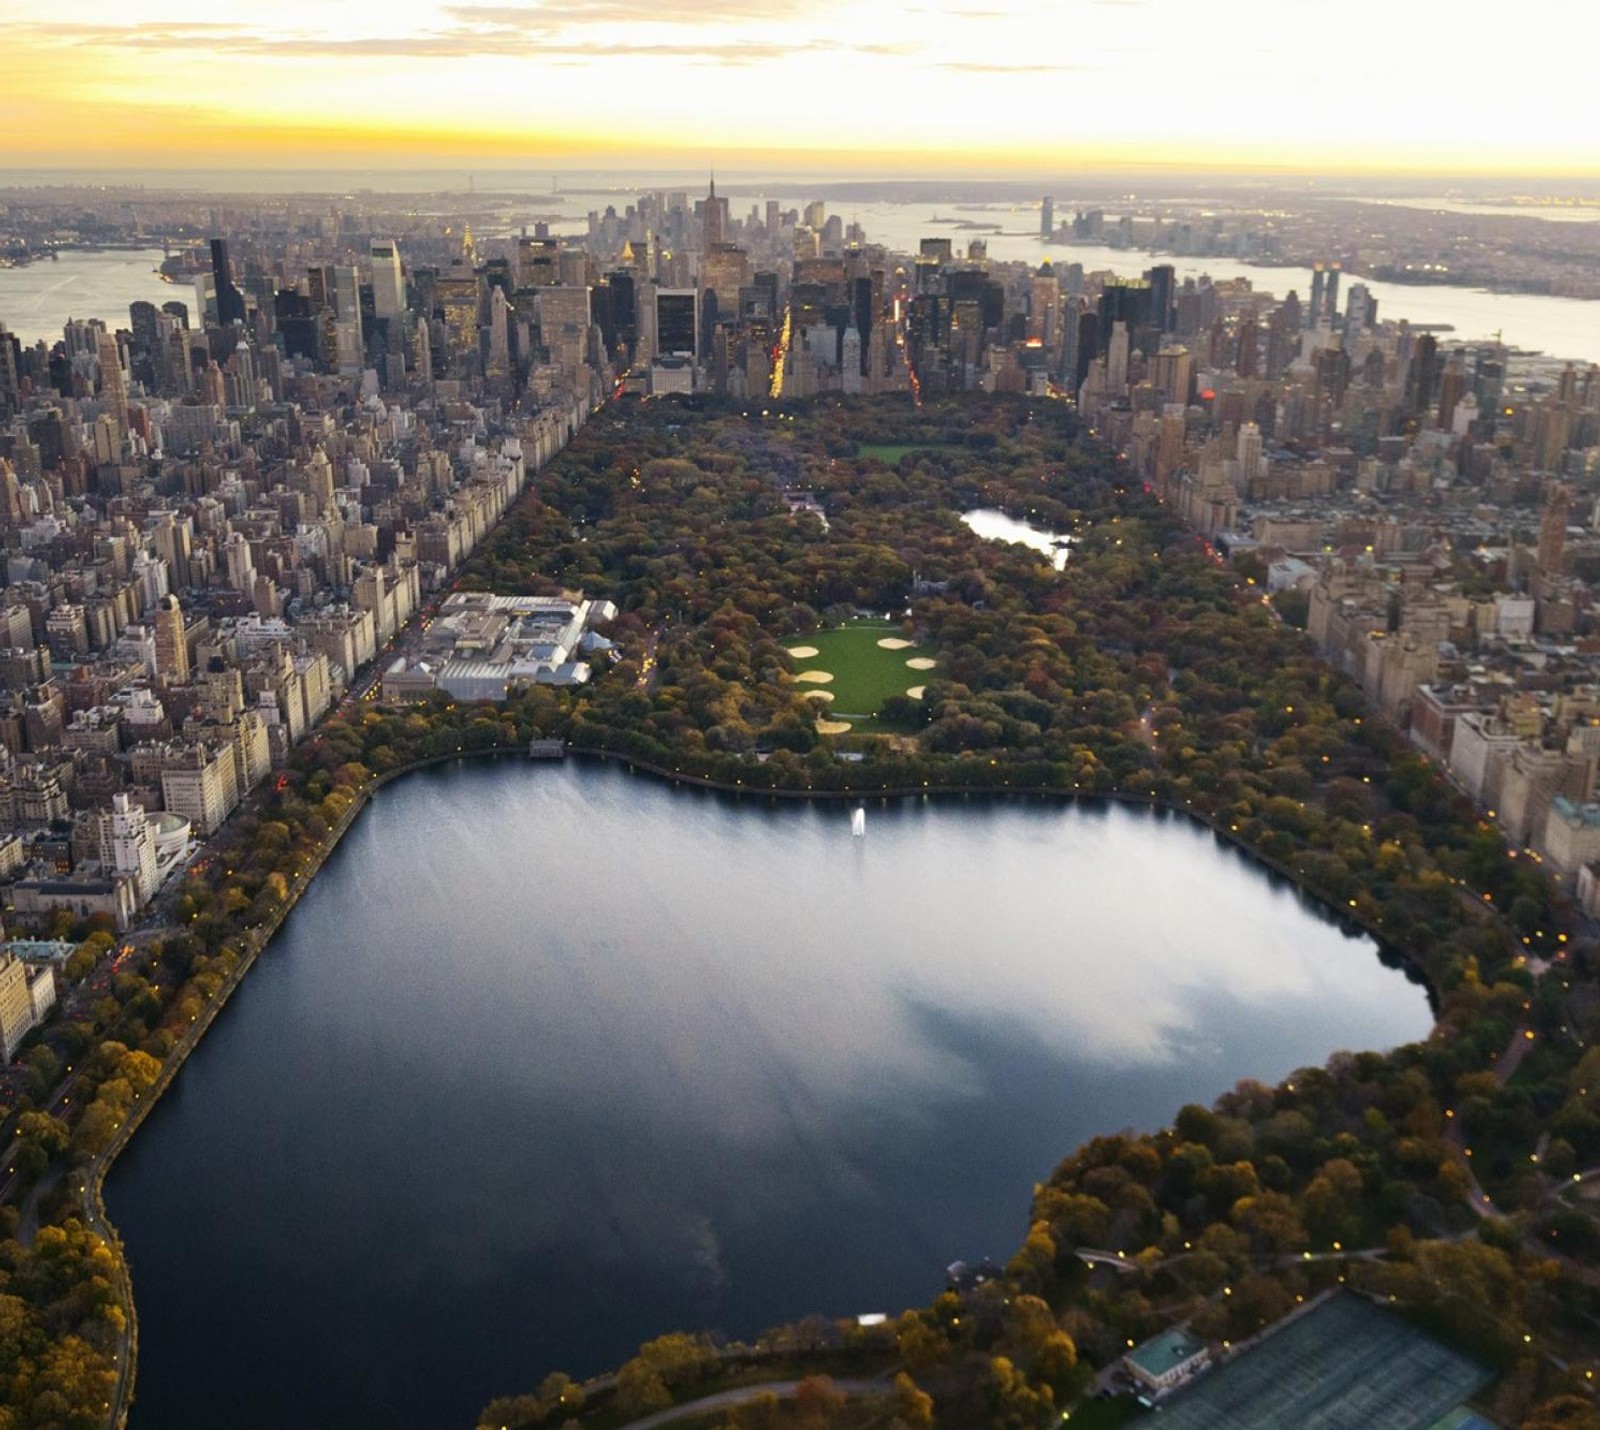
93	1194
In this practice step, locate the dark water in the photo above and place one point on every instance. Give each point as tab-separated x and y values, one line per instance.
554	1058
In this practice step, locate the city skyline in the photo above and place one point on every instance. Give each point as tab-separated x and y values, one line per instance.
952	86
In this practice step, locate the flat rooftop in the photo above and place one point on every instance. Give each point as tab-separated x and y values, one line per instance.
1162	1353
1344	1365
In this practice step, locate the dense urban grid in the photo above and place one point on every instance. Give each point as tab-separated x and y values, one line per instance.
270	501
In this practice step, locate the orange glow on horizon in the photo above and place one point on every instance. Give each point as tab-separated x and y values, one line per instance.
1011	91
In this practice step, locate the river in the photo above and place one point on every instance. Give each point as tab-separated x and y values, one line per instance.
551	1059
37	299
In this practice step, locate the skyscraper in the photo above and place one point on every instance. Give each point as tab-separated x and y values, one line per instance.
1047	217
1553	527
172	649
112	386
230	302
1163	285
1421	375
713	219
677	322
388	282
1117	360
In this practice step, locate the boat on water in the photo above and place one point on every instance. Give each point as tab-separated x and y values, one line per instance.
858	822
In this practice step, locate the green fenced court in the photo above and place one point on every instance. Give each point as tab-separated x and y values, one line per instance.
1344	1365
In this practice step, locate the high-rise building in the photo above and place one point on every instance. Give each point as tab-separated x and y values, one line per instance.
1163	285
1421	375
713	219
1172	373
113	387
1452	388
564	315
725	269
128	845
1246	359
677	323
1249	451
459	296
1047	217
538	262
1553	527
1117	360
16	1005
388	281
1044	305
230	301
200	783
172	648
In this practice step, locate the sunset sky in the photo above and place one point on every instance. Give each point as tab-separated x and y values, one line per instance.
933	85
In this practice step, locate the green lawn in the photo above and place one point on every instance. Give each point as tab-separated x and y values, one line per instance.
864	674
891	453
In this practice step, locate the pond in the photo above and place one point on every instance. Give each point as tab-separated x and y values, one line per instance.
994	525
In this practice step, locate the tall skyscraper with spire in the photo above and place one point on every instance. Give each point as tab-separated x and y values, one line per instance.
713	219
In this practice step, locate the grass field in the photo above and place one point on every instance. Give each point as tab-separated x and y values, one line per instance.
864	674
891	453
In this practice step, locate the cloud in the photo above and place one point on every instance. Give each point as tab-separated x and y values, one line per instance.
1022	67
479	31
624	12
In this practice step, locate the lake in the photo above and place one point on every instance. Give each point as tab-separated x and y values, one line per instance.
552	1059
993	524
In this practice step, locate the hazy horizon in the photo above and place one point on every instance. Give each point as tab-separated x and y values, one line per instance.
990	85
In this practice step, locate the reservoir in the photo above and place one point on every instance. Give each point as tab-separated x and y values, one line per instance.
555	1058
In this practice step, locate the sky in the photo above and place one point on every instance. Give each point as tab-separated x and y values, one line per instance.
923	87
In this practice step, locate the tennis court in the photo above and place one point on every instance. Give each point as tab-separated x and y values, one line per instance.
1344	1365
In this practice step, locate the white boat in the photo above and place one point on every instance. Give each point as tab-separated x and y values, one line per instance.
858	822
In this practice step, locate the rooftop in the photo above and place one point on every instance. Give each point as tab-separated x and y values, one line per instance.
1162	1353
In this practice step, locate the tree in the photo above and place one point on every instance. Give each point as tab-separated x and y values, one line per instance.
1014	1404
640	1390
817	1403
913	1407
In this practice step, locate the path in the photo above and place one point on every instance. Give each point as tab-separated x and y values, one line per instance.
727	1399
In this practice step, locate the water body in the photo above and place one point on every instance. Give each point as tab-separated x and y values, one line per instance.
993	524
1559	327
552	1059
37	299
